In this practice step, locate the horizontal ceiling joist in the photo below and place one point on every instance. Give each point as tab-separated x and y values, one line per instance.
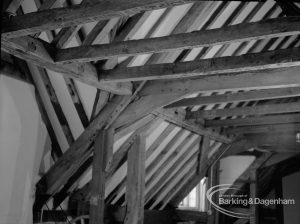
40	53
264	129
215	66
51	19
245	111
238	97
237	33
288	77
249	121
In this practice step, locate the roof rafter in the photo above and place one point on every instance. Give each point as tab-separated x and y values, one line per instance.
74	15
244	111
294	127
222	65
237	33
262	120
236	97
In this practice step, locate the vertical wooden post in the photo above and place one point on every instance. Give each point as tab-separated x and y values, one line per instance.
203	148
213	180
253	194
135	182
98	179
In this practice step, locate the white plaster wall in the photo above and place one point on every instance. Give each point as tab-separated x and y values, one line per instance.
22	142
232	167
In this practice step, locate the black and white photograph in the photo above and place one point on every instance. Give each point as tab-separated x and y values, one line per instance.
150	112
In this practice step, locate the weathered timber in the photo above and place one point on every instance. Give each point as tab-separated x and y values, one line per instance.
253	194
244	111
74	15
40	53
288	77
59	173
223	65
177	117
237	97
98	179
274	128
136	182
204	147
118	158
236	33
61	170
261	120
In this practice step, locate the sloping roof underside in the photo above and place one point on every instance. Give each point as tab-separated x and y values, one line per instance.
177	146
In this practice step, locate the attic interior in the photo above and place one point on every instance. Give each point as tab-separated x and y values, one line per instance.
121	111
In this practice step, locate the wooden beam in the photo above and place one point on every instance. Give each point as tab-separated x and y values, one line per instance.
146	105
118	159
75	96
56	104
177	117
275	128
74	15
40	53
98	179
237	33
59	173
204	150
282	58
238	97
250	121
157	167
288	77
253	195
66	34
245	111
136	182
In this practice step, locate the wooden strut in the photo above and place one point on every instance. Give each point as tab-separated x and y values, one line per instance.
98	179
136	182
